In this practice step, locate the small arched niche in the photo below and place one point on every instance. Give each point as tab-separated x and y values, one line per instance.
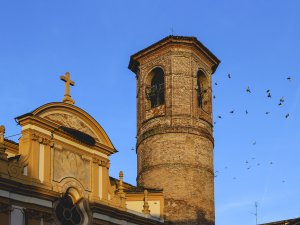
202	89
155	91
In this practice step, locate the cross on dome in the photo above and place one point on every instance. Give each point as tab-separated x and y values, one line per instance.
68	82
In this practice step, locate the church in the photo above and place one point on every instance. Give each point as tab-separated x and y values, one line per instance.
58	172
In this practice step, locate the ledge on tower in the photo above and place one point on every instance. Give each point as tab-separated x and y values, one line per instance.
172	40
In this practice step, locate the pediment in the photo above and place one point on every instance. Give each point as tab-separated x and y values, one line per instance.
71	121
66	116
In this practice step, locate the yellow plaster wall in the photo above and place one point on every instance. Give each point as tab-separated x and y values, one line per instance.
137	206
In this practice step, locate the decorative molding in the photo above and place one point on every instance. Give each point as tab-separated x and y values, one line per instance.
42	140
15	169
70	164
71	121
178	129
102	162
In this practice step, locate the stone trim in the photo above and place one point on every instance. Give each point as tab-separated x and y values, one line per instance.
118	216
175	165
178	129
26	199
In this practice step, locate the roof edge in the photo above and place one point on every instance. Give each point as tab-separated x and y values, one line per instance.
134	64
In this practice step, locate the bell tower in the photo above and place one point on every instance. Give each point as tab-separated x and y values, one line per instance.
174	126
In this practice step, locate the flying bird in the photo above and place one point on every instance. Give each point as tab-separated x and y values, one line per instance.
287	115
269	94
216	83
214	96
281	100
220	117
280	104
254	143
267	113
289	78
229	75
232	111
248	89
132	149
246	111
268	91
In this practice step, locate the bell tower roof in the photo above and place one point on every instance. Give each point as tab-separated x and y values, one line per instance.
173	40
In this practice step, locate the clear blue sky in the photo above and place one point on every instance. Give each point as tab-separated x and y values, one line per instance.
256	40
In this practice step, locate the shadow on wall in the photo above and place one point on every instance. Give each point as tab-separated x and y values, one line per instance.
199	221
183	209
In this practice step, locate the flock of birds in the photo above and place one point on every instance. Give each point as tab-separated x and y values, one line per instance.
248	90
250	163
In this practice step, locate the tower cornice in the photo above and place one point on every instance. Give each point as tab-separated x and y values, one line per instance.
171	40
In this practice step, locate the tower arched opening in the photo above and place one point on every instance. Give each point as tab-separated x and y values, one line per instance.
156	91
202	88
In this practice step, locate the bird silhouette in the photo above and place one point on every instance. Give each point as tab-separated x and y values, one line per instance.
220	117
267	113
280	104
289	78
269	95
268	90
248	89
214	96
132	149
246	111
287	115
232	111
216	83
229	75
254	143
281	100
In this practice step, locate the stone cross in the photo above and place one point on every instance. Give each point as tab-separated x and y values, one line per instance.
69	82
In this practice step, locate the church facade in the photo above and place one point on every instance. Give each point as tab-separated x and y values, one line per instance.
58	172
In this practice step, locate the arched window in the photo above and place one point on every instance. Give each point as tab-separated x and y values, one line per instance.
156	92
67	212
201	82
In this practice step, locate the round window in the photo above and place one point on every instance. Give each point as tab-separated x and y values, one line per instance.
67	213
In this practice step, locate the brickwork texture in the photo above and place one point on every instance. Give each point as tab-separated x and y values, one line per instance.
175	140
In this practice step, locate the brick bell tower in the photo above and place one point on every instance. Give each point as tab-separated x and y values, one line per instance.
174	126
